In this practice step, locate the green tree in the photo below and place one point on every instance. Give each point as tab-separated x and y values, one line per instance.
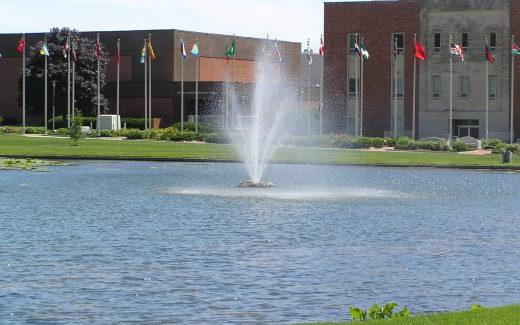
75	129
86	74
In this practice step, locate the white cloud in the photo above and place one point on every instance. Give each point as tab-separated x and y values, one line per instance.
290	20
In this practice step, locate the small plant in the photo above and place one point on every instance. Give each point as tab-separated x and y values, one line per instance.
105	134
404	143
135	134
1	120
475	307
75	130
460	146
375	312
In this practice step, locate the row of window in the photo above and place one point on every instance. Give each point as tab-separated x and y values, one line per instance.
464	42
436	90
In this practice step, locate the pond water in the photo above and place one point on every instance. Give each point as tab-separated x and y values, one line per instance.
106	242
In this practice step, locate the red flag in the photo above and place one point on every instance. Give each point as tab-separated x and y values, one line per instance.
419	50
489	55
322	47
74	53
99	52
21	45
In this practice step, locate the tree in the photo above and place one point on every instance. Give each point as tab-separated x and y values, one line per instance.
75	129
86	74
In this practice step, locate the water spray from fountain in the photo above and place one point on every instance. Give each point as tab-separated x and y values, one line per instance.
257	133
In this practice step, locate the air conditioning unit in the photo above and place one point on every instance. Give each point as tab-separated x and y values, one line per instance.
108	122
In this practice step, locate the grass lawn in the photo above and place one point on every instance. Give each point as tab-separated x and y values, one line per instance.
20	146
503	315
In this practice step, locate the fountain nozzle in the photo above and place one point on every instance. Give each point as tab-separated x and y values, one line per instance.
251	184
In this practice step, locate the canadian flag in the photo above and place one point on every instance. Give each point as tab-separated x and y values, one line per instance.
21	45
322	47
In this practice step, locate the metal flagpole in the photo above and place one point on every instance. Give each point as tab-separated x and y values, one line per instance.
118	75
450	140
511	131
68	80
73	84
182	86
98	90
395	88
150	83
357	64
487	95
321	90
309	99
414	89
233	106
227	84
46	89
197	90
145	86
23	84
361	101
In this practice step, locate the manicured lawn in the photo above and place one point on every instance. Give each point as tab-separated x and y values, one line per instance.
20	146
503	315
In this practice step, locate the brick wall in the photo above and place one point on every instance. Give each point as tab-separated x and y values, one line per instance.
374	21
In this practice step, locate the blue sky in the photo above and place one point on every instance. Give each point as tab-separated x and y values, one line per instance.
290	20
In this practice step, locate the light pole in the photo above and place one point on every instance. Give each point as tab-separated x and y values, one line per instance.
54	105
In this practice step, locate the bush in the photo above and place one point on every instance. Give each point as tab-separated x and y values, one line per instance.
433	146
186	136
168	134
75	129
202	128
34	130
514	148
1	120
343	141
216	137
460	146
9	129
493	144
106	134
135	134
404	143
390	142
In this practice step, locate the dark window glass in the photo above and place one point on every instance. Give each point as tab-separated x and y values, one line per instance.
437	43
493	41
465	42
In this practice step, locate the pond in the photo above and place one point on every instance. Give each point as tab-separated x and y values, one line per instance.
149	242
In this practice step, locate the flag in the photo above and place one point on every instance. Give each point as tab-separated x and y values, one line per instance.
66	48
419	50
232	50
357	50
457	50
195	49
515	50
143	53
99	51
322	47
183	49
44	50
489	55
21	45
395	49
278	54
118	53
364	53
74	52
309	52
150	50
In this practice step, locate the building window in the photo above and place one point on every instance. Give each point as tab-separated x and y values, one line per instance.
437	43
436	87
352	87
352	43
464	87
465	42
493	42
493	87
465	128
400	88
400	42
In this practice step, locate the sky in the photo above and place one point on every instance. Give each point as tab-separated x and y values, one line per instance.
288	20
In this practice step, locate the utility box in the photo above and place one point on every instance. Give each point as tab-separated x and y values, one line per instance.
108	122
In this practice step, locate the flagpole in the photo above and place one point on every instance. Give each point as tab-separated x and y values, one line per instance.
197	90
414	88
118	75
321	88
487	95
227	85
395	88
357	64
145	86
309	97
23	84
98	90
150	121
68	81
511	131
182	86
73	85
233	112
45	89
450	140
361	95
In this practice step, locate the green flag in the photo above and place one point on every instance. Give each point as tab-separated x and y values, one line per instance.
230	52
515	50
364	52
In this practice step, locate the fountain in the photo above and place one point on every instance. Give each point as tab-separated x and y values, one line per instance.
256	137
